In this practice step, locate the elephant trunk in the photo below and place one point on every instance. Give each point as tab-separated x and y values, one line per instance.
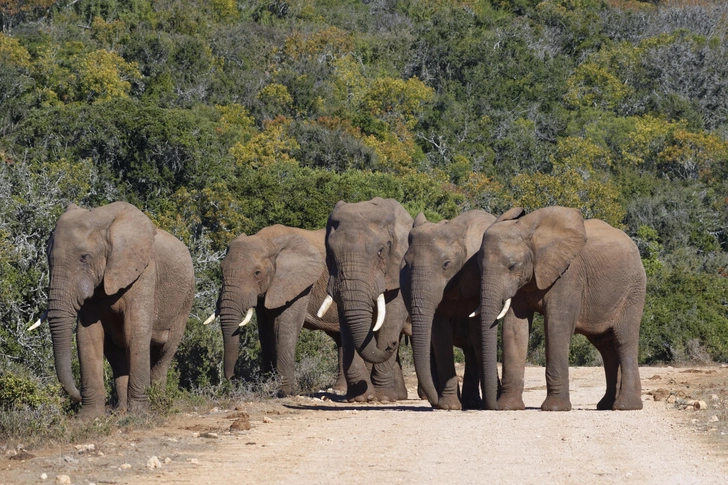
62	314
491	304
422	313
233	313
357	311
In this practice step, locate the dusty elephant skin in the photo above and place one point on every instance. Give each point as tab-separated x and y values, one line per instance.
584	277
281	273
441	288
365	243
131	287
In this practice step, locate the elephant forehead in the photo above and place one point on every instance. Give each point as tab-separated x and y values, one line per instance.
244	255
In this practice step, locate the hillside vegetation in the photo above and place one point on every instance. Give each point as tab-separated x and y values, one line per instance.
222	117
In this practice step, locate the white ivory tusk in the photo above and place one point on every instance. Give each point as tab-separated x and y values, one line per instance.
325	306
505	309
210	319
475	313
38	322
247	318
381	312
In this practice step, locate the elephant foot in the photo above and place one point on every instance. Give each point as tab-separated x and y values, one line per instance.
628	403
339	386
362	391
88	413
285	392
510	403
448	403
387	395
556	403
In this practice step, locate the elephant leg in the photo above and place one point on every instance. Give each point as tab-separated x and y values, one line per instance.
340	384
266	333
120	368
287	327
384	380
559	330
138	335
90	339
516	326
359	386
626	343
605	346
399	383
447	382
162	355
470	396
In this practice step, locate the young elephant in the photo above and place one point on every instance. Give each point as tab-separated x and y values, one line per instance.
441	288
281	273
584	277
131	287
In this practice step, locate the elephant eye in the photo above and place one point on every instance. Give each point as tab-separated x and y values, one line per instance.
445	265
257	273
512	266
85	257
379	253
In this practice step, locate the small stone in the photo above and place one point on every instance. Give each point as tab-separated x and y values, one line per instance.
167	460
100	453
153	463
44	476
194	461
84	448
700	405
660	394
195	435
241	424
671	399
125	466
714	419
266	419
714	397
63	480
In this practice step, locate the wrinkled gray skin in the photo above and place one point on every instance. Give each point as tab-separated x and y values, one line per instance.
130	286
365	243
281	272
441	288
585	277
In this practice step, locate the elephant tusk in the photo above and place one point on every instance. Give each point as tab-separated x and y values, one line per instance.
325	306
38	322
210	319
247	318
505	309
381	312
475	313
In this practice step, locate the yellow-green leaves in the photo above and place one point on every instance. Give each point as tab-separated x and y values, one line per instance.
104	75
12	54
573	182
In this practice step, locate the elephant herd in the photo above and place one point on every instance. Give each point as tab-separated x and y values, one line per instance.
372	276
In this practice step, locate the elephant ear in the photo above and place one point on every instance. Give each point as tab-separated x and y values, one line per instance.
298	265
512	214
419	220
131	244
477	222
400	224
558	236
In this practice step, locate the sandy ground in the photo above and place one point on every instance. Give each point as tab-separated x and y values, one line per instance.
308	440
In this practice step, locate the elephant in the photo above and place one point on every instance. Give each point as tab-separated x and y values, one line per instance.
280	272
585	277
365	243
130	285
441	288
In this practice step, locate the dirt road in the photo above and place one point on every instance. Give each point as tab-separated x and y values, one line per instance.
308	440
